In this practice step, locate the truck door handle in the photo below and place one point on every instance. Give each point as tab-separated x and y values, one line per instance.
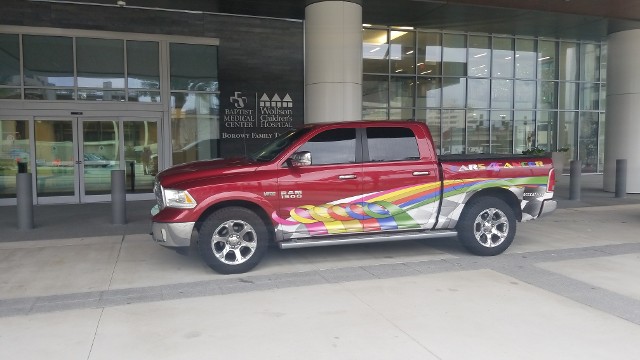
420	173
344	177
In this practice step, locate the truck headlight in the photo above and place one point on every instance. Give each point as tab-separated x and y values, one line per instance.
179	199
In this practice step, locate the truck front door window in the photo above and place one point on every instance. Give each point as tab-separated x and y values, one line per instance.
336	146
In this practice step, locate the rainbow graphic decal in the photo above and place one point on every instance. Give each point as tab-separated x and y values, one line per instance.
387	210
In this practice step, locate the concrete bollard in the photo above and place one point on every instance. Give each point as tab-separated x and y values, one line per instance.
621	178
24	198
118	198
575	172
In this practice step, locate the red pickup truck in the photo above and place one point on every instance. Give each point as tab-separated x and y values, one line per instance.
344	183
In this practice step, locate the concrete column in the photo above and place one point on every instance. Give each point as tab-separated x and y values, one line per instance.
623	109
333	61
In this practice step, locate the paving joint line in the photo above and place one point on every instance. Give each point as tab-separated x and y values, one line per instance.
509	264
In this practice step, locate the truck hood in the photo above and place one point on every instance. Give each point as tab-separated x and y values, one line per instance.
203	169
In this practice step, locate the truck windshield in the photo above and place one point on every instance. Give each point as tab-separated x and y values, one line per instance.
275	147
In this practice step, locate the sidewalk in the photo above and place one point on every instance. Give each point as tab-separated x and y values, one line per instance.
77	287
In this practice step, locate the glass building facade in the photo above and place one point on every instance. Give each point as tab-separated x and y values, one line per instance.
482	93
138	86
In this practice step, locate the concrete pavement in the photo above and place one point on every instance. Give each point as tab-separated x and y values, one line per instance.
566	289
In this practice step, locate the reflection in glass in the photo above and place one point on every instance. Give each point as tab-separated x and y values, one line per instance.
10	93
547	57
429	54
516	85
547	95
568	96
525	94
401	114
193	67
374	114
603	62
401	91
432	118
55	158
590	62
479	56
48	61
478	94
9	60
195	127
453	132
14	149
402	52
49	94
524	131
144	96
603	96
143	67
453	92
545	130
501	132
429	92
501	94
140	155
375	91
454	55
569	57
589	96
101	95
100	63
567	123
601	127
478	137
502	58
375	51
525	59
100	155
588	141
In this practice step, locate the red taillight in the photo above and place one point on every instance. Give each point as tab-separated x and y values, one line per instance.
551	183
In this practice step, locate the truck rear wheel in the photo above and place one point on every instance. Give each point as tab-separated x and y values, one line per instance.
487	226
233	240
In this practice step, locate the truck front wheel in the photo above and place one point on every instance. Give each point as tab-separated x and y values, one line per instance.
487	226
233	240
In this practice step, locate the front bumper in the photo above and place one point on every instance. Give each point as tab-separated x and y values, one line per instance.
172	234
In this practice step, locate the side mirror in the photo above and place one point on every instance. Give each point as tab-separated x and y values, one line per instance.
300	158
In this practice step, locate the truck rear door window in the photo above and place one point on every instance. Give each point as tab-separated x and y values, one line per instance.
335	146
392	144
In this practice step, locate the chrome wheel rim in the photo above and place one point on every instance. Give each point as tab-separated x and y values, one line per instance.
491	227
234	242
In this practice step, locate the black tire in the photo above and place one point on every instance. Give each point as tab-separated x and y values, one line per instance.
487	226
233	240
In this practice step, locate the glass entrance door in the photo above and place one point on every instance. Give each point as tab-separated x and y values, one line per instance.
56	160
75	157
100	153
125	143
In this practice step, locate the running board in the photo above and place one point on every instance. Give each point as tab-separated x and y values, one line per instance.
365	239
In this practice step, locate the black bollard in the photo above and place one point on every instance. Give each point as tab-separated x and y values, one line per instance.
24	198
132	165
621	178
118	198
575	172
